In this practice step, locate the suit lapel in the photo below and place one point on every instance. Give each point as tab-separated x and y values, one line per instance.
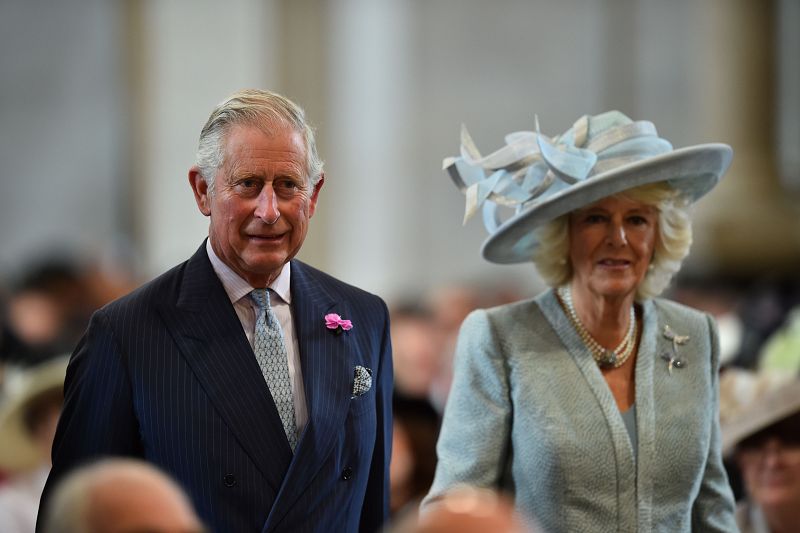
327	365
210	336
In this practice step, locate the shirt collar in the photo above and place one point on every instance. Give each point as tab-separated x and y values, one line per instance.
237	288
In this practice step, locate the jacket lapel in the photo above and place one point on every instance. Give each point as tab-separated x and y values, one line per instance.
210	336
645	414
327	365
594	379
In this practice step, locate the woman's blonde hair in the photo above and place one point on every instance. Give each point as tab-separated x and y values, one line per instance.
673	240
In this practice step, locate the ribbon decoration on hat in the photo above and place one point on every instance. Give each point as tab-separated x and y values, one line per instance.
533	166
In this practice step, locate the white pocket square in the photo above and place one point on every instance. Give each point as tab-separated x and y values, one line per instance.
362	381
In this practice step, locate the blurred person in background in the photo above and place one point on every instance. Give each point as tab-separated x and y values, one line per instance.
450	305
781	350
417	357
259	383
722	299
119	496
29	413
596	403
416	428
416	350
761	432
765	309
48	308
46	311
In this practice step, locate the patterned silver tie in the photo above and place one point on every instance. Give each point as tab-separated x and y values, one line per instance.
272	357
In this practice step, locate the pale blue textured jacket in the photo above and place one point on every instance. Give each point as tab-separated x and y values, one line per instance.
530	412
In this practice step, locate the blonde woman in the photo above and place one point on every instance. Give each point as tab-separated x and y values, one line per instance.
596	403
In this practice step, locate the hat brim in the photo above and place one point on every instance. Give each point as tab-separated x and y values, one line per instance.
693	171
778	405
18	450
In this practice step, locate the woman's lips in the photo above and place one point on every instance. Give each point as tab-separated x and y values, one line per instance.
614	263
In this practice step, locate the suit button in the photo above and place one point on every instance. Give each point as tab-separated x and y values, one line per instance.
229	480
347	473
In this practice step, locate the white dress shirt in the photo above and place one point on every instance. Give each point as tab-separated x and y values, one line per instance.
238	291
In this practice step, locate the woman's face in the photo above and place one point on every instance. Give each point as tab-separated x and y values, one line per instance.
771	472
611	243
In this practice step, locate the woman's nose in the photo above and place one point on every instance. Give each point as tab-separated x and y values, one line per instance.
771	451
616	235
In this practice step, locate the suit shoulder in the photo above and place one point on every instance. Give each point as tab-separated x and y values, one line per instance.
163	287
335	285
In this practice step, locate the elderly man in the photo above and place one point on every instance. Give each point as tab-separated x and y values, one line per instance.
262	385
119	496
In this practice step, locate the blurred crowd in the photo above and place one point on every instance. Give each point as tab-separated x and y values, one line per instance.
43	313
45	310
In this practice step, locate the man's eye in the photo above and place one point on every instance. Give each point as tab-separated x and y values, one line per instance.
248	183
287	184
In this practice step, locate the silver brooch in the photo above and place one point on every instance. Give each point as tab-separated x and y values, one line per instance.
672	358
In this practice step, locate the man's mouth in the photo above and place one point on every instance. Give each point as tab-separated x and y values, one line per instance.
267	238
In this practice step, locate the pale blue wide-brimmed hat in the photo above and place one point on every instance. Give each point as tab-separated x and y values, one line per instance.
542	178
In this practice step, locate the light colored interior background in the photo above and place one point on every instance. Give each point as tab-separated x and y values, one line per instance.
102	101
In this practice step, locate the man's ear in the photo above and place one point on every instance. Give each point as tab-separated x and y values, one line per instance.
315	195
200	190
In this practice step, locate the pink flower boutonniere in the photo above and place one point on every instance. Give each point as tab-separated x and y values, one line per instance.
337	324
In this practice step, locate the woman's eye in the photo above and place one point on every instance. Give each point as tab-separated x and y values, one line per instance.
637	220
594	219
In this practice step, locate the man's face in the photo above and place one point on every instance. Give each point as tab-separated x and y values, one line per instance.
261	203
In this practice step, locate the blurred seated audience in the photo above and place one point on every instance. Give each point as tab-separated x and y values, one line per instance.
467	509
722	299
28	416
450	305
416	350
781	351
761	433
48	308
119	496
750	313
763	310
413	464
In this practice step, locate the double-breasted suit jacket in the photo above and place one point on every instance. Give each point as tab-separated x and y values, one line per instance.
530	412
167	374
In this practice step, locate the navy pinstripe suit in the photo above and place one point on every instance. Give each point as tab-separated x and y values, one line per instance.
167	374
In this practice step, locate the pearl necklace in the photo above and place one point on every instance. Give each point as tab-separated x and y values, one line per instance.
604	357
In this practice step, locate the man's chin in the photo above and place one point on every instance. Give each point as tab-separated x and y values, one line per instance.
261	265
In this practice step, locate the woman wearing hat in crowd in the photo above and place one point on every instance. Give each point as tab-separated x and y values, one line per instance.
28	416
596	403
762	435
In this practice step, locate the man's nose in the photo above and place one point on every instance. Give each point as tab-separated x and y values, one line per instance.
267	205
